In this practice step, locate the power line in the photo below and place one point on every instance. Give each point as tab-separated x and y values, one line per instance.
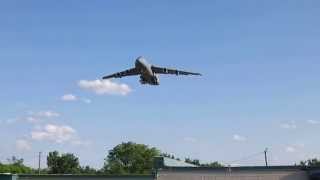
246	157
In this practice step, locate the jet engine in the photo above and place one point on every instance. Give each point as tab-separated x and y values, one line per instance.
155	80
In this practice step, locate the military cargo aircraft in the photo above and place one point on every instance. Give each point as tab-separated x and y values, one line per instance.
148	73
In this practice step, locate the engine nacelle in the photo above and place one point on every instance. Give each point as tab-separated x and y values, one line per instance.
155	80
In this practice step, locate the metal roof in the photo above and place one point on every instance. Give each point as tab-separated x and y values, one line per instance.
168	162
163	162
247	168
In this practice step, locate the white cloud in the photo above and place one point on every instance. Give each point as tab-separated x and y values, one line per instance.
54	133
11	121
102	87
290	149
69	97
289	125
78	142
239	138
58	134
32	119
47	114
72	97
313	122
39	116
300	145
37	127
190	139
23	145
88	101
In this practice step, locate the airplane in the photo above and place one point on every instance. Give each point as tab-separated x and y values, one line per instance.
148	73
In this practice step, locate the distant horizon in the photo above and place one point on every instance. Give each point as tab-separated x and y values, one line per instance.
182	159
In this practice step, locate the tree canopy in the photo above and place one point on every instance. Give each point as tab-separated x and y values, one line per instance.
130	158
311	163
62	164
15	165
197	162
125	158
89	170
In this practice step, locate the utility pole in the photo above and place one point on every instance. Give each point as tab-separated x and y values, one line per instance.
39	167
265	156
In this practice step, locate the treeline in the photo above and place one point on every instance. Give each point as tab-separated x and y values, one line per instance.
310	163
15	166
125	158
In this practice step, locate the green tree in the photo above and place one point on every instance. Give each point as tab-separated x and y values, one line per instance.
130	158
311	162
15	161
192	161
88	170
15	166
171	156
198	163
62	164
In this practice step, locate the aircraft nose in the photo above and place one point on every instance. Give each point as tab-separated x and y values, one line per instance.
138	62
139	59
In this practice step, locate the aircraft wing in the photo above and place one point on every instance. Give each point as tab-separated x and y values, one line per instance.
128	72
161	70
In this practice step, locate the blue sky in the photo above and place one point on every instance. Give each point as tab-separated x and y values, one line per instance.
260	61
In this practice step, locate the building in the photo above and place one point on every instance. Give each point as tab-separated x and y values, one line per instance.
169	170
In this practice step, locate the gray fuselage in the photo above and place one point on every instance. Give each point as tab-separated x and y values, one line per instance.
147	75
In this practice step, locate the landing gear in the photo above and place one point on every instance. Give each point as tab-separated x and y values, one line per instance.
142	80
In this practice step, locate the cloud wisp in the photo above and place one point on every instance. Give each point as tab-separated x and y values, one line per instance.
190	139
37	117
57	134
86	100
23	145
313	122
290	149
47	114
296	147
69	97
289	125
73	98
105	87
239	138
